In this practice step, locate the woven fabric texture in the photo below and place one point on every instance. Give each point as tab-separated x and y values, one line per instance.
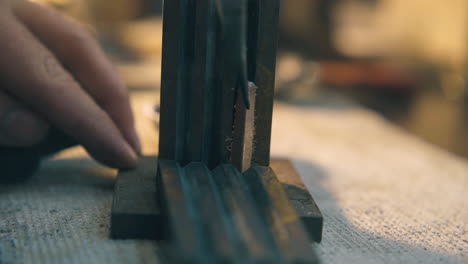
386	196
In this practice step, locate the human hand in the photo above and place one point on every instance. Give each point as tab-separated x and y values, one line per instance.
53	73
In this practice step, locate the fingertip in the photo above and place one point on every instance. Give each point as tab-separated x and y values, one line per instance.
118	156
131	159
128	162
125	159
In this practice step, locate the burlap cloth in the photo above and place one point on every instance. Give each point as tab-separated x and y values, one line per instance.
387	197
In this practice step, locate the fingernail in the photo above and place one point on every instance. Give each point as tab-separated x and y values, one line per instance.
132	158
114	151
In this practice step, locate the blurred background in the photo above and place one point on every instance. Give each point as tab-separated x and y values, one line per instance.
406	60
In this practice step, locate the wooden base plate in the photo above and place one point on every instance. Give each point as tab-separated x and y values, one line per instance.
137	215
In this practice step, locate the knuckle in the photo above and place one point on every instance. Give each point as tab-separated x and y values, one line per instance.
121	95
50	89
117	97
78	35
53	72
77	42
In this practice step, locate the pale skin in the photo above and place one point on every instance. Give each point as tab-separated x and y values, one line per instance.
53	73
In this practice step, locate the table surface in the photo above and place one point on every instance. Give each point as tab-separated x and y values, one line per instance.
386	196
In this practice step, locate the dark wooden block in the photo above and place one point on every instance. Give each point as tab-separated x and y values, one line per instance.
285	223
135	211
300	197
262	46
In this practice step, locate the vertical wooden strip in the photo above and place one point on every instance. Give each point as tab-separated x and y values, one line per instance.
198	91
244	131
252	36
210	81
224	92
183	90
171	60
267	43
201	86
